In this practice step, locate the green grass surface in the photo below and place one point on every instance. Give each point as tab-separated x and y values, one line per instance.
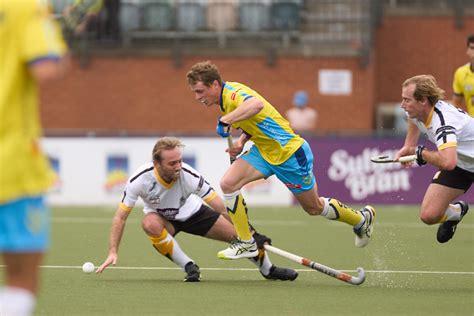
408	272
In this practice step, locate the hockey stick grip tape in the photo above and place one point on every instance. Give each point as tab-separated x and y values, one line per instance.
407	158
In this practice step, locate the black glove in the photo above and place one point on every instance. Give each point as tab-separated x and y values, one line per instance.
261	239
419	157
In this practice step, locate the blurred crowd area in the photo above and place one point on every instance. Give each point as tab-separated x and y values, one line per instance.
276	47
298	21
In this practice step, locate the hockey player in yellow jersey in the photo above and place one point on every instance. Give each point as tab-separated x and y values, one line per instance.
277	150
463	82
31	52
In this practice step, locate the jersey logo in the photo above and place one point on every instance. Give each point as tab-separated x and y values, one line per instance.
233	95
169	213
293	185
155	200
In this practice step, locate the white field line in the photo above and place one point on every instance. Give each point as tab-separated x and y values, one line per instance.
253	269
269	222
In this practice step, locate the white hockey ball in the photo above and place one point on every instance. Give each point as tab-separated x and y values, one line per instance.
88	267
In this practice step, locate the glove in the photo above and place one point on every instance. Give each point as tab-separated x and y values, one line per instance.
261	239
222	129
419	157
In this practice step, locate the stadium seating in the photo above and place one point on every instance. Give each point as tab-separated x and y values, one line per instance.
189	16
59	5
130	15
254	16
158	15
210	22
285	14
222	15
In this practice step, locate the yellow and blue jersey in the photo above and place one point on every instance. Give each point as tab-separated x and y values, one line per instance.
270	132
463	84
28	35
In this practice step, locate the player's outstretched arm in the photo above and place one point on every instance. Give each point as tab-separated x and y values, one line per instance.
245	110
118	225
218	205
409	147
445	159
111	259
413	134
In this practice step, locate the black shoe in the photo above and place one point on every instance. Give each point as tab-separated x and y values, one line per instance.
193	274
283	274
447	229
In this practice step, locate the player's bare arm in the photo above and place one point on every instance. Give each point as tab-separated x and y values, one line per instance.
118	225
245	110
49	70
217	204
413	134
445	159
411	140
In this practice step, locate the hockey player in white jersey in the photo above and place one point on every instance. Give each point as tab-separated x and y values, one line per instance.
452	131
172	193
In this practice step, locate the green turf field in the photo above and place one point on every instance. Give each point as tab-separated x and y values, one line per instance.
408	272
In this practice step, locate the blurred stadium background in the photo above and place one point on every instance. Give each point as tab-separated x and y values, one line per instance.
127	87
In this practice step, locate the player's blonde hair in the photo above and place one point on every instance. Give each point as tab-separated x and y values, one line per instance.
165	143
204	71
426	86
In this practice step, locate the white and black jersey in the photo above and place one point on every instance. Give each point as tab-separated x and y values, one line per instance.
177	200
448	126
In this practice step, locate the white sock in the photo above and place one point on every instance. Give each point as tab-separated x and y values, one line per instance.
15	301
328	211
453	213
166	245
263	263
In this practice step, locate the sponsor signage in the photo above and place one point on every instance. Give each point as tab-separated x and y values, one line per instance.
343	170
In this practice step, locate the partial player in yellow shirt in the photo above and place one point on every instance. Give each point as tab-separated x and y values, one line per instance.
78	15
463	82
277	150
31	53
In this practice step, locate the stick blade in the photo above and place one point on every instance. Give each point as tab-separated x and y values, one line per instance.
387	159
381	159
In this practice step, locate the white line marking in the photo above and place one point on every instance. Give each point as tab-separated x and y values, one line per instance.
98	220
253	269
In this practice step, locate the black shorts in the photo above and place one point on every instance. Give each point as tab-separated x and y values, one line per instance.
457	178
198	224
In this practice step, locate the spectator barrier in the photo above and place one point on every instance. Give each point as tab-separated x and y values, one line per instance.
93	171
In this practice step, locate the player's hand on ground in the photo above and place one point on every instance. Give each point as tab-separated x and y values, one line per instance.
111	259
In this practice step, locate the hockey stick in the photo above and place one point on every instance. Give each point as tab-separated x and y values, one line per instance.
387	159
230	145
354	280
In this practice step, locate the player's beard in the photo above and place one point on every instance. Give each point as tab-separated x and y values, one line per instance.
172	176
